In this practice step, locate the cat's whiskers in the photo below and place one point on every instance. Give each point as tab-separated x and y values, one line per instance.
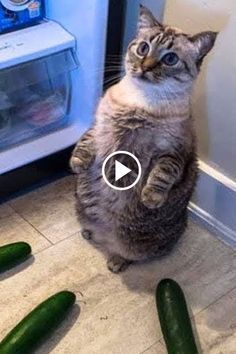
106	70
113	79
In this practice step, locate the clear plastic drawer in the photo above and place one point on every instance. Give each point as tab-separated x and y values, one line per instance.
35	98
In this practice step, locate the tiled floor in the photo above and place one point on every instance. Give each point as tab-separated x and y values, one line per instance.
114	313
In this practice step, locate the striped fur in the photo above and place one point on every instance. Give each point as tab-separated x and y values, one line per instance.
148	114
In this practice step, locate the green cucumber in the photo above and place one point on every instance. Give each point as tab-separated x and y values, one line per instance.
174	318
13	254
38	324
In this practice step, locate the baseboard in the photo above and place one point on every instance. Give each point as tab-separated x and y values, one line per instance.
221	231
214	203
217	175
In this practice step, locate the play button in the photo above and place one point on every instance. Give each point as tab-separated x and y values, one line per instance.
121	170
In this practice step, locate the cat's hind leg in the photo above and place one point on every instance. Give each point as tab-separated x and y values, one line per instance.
87	234
117	264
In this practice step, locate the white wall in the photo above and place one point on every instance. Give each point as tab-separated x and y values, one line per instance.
214	101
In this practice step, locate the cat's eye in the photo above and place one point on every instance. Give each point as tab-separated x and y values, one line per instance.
143	49
170	59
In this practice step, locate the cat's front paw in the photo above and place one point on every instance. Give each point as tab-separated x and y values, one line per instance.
117	264
77	164
153	199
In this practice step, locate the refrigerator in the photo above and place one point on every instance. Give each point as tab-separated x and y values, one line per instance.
51	78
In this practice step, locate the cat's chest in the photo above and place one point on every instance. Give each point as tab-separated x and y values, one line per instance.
145	141
132	135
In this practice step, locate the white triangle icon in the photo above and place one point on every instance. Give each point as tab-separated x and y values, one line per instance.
120	170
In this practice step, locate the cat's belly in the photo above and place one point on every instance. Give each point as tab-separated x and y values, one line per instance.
101	208
101	202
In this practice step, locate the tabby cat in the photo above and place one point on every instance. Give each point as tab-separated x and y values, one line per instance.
147	114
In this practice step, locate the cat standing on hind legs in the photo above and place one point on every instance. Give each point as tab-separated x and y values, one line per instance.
147	114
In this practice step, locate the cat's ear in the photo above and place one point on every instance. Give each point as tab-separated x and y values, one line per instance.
146	19
203	42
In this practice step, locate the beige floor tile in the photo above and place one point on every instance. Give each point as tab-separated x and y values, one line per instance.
132	323
13	229
68	265
157	348
216	326
204	267
118	313
5	211
50	209
113	320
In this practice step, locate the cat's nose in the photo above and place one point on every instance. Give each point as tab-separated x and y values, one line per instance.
149	64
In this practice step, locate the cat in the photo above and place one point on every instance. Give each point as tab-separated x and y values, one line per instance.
147	114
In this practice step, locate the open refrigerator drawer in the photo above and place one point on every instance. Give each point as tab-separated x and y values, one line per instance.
35	98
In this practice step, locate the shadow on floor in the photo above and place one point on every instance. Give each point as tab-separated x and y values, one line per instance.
144	277
60	333
17	269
